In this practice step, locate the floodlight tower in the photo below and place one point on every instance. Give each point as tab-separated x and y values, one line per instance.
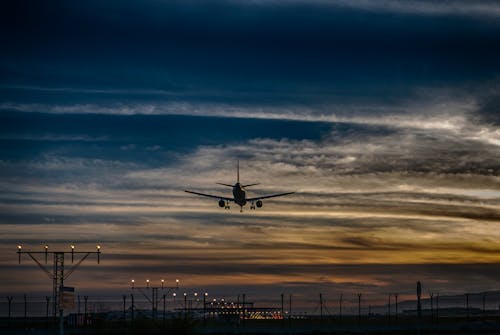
58	275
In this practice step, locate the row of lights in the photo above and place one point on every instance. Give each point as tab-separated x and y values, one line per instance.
132	283
46	247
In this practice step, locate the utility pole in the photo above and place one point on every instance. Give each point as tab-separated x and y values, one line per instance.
389	308
437	308
205	295
467	304
124	308
419	294
431	296
25	310
58	275
321	305
79	310
164	308
340	306
132	307
396	298
359	307
85	299
47	303
282	309
484	302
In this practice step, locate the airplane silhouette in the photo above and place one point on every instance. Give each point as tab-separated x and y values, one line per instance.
239	195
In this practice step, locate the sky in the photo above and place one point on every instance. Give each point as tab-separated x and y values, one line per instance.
382	116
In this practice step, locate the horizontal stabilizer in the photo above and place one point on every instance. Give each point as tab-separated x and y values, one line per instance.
248	185
224	184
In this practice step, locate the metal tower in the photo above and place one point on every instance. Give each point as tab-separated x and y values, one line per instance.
58	274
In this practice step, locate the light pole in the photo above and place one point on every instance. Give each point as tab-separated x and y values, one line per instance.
58	274
205	295
185	302
153	299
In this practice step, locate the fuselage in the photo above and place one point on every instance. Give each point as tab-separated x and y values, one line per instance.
239	195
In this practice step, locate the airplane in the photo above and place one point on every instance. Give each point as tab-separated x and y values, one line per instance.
239	195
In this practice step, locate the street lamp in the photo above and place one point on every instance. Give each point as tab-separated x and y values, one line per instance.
162	282
147	283
132	282
72	253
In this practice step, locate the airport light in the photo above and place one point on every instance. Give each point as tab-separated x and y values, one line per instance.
19	249
58	274
177	282
132	283
147	283
98	247
162	282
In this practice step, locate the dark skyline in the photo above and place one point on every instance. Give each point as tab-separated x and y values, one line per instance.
383	116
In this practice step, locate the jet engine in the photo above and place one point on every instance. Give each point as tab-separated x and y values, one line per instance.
222	203
259	203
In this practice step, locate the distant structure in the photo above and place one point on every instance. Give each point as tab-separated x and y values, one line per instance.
419	294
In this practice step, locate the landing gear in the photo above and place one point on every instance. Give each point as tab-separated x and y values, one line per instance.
227	205
252	205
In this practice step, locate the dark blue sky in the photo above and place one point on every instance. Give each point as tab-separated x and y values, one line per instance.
237	52
382	115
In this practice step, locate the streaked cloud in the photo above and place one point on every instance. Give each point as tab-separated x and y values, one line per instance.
382	116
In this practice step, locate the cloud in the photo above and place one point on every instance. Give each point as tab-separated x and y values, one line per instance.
426	7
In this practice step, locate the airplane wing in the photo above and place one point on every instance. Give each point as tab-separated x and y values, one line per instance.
269	196
210	195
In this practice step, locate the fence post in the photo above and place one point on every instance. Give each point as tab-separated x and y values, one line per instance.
9	298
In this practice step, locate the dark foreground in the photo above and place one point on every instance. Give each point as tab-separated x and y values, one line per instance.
375	326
